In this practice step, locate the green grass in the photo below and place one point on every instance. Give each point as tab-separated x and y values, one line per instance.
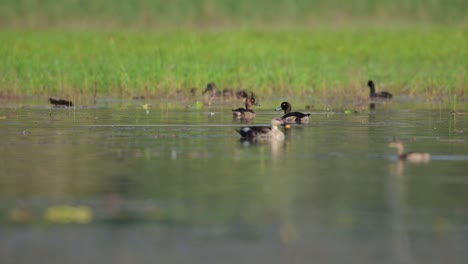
296	47
324	63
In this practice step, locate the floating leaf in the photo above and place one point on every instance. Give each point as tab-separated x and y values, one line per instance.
64	214
198	105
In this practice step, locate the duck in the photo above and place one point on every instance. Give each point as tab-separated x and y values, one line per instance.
241	94
210	90
228	93
247	112
415	157
292	117
263	132
380	95
60	102
193	91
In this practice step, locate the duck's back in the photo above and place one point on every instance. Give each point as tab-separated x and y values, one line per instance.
384	95
295	117
295	114
416	157
254	131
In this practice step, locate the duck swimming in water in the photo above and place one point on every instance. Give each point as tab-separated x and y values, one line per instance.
263	132
415	157
247	112
60	102
292	117
381	95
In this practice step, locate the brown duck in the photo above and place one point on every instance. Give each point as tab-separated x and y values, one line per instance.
263	132
247	112
415	157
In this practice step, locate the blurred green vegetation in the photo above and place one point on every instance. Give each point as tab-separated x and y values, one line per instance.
292	47
152	14
323	62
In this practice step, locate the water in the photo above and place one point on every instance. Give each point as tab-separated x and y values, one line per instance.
112	184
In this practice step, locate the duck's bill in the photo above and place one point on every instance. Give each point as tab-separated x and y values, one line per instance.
278	109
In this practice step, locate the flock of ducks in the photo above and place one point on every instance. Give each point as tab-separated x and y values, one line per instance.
273	132
253	133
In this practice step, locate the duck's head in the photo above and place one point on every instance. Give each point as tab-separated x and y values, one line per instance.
193	91
210	88
284	106
241	94
397	144
253	101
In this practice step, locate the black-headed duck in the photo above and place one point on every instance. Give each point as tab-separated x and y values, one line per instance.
263	132
410	156
292	117
381	95
247	112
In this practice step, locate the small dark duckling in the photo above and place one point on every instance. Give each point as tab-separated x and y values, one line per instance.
193	91
292	117
415	157
60	102
228	93
379	95
263	132
210	90
241	94
247	112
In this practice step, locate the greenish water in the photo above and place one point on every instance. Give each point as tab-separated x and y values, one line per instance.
114	184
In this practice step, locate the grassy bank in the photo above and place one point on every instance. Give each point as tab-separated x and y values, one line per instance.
431	63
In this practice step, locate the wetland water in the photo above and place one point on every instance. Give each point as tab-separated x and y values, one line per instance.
114	185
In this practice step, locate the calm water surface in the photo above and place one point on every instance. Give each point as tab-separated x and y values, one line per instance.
112	184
